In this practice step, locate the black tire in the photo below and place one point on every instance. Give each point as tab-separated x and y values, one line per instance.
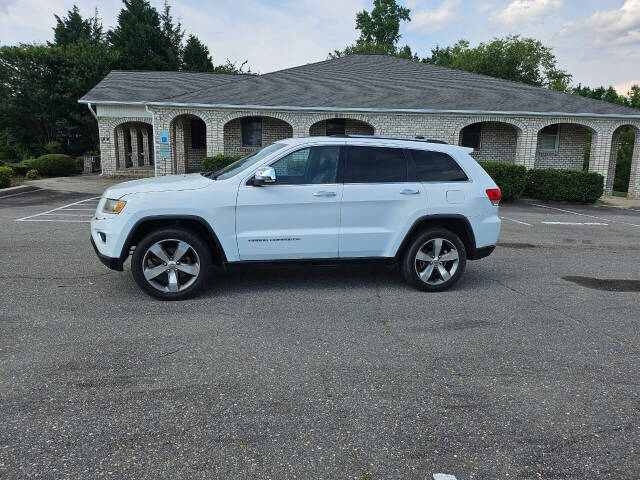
410	265
198	245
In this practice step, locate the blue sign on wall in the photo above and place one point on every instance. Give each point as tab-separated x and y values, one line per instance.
164	136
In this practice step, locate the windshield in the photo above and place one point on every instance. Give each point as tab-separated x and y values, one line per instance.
245	162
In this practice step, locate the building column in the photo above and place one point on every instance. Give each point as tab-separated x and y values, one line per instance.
634	178
300	130
121	148
600	156
179	147
526	148
146	146
135	147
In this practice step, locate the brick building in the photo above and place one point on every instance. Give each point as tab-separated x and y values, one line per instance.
166	122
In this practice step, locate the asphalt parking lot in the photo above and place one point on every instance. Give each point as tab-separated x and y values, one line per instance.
527	369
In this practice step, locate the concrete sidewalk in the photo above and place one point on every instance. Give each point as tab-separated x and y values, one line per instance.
86	183
621	202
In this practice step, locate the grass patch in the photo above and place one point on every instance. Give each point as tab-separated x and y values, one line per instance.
620	194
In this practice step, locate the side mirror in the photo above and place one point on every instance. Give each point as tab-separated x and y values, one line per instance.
264	175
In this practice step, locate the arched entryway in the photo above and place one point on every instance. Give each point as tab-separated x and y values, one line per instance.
564	145
188	143
625	153
491	141
340	126
133	146
247	134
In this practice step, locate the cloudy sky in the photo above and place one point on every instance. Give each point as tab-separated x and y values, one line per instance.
596	40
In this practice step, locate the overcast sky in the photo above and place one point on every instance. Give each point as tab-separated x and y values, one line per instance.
596	40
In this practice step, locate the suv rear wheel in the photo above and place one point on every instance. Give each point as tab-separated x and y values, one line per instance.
435	260
171	264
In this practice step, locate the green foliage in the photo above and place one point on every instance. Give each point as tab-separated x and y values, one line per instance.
564	185
380	32
31	174
217	162
53	165
53	147
5	177
524	60
509	177
173	35
382	25
73	28
623	163
140	38
195	56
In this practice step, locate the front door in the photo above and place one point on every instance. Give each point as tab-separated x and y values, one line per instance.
299	215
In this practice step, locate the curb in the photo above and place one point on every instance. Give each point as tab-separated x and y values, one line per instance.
6	192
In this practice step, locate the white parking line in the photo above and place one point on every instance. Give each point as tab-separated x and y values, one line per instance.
21	193
62	212
574	223
584	215
443	476
517	221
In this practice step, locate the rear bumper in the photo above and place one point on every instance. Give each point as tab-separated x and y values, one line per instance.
112	263
483	252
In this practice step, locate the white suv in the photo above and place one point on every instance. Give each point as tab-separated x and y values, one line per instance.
424	203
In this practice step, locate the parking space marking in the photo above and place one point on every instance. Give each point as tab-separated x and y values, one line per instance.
575	223
443	476
585	215
62	212
517	221
21	193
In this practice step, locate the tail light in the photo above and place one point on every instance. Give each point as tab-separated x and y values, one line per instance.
494	195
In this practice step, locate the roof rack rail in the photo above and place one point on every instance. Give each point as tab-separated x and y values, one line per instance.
389	137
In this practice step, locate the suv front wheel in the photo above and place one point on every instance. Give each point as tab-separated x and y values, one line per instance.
435	260
171	264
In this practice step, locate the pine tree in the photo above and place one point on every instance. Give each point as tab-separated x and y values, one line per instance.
74	28
139	38
195	56
173	35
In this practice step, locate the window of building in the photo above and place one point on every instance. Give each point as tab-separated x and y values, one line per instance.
549	138
198	133
428	166
375	165
472	136
335	126
312	165
252	132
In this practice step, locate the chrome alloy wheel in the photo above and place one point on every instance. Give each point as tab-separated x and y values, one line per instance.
171	265
437	261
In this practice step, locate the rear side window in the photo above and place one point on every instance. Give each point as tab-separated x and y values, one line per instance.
428	166
375	165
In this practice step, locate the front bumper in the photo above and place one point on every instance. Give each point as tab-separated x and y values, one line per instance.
112	263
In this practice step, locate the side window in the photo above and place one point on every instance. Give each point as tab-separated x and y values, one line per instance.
426	166
375	165
311	165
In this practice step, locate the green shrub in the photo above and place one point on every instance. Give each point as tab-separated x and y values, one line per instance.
31	174
564	185
213	164
21	168
54	165
509	177
5	177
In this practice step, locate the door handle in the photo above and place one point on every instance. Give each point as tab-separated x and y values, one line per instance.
409	191
324	194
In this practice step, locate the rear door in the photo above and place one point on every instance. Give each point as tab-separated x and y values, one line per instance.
379	203
298	216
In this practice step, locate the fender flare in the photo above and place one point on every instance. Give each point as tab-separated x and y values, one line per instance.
471	248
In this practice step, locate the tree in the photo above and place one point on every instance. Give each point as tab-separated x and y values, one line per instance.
382	25
195	56
379	31
173	36
524	60
139	38
73	28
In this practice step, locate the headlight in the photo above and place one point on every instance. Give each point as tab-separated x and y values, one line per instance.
113	206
